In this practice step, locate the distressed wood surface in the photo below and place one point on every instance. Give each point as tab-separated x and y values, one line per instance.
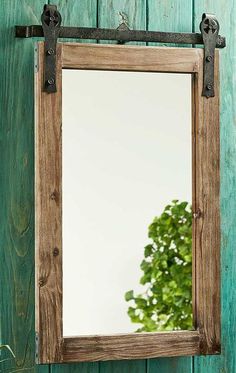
17	186
207	226
17	246
131	346
110	13
48	213
226	14
120	57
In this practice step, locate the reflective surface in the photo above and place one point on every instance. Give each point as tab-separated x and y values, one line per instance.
126	156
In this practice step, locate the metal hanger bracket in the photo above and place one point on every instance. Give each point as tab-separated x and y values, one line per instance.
210	30
51	29
51	23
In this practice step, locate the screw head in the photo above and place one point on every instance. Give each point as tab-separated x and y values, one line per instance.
209	58
209	86
51	81
55	251
50	51
52	18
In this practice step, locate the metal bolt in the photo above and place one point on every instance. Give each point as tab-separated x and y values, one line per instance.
52	18
50	51
55	251
51	81
209	87
209	58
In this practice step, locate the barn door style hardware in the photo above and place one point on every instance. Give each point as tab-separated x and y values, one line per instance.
51	30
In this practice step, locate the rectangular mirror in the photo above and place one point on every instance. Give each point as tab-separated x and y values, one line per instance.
127	205
126	149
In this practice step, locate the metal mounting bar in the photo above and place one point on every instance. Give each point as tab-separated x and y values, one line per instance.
34	31
51	29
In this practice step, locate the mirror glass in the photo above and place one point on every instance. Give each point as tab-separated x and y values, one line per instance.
127	192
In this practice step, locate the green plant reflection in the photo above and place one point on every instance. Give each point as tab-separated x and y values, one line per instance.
166	303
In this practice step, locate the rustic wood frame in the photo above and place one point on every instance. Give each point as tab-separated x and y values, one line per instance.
205	339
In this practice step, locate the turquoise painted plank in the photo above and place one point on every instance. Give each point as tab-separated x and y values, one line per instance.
75	368
226	14
112	12
170	15
123	366
81	13
17	185
109	13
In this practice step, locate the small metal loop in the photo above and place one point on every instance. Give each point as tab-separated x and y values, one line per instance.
123	26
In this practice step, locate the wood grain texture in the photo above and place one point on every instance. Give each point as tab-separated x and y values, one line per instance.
123	366
120	57
17	186
76	368
48	214
131	346
82	13
207	226
169	15
226	14
109	13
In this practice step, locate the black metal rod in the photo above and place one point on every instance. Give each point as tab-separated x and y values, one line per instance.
120	35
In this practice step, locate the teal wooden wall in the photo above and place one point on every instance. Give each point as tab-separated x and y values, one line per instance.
17	173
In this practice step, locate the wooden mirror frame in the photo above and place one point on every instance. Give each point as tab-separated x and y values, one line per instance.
52	347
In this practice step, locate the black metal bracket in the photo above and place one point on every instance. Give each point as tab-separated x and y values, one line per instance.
210	30
51	23
51	29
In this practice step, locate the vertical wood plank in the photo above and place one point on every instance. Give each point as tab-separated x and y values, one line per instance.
109	15
17	185
169	15
75	368
77	13
123	366
226	14
112	12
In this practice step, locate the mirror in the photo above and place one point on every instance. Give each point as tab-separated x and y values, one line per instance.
127	193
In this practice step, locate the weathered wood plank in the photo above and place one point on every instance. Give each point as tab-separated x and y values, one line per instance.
75	368
17	185
169	15
81	13
226	15
131	346
120	57
48	214
122	366
110	13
